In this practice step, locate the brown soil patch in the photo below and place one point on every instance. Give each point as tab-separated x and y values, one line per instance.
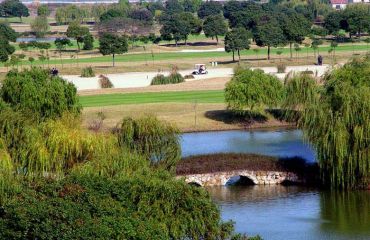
227	162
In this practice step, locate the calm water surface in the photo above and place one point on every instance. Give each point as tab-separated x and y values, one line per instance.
282	143
279	212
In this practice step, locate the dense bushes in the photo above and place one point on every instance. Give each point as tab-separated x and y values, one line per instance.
35	90
87	72
253	90
173	78
95	207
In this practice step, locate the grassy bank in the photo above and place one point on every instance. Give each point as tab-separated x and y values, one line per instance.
212	96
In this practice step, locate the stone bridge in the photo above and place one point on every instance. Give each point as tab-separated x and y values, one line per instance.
257	177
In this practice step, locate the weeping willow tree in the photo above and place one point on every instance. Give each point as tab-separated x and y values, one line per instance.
157	141
335	117
253	90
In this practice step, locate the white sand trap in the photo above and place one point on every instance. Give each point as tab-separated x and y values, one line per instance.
143	79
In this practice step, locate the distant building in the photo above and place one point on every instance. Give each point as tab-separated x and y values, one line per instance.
342	4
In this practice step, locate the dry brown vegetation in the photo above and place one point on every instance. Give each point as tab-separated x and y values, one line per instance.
188	117
236	161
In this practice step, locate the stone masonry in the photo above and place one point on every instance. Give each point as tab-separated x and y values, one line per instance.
258	177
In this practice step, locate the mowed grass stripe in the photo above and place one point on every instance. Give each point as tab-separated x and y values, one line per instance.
214	96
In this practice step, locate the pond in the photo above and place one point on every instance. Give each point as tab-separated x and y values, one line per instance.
281	212
281	143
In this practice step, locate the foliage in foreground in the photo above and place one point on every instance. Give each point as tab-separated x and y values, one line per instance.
253	90
157	141
336	120
38	92
91	207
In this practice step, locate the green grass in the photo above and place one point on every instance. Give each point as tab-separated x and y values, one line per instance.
142	57
215	96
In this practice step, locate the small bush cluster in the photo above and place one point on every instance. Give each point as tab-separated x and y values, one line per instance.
87	72
281	68
105	82
173	78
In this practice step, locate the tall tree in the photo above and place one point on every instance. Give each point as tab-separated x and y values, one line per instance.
111	44
237	40
335	119
358	18
295	28
179	26
40	26
214	26
6	34
61	45
269	33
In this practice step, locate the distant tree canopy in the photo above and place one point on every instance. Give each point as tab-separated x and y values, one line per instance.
209	8
179	26
214	26
253	90
78	32
13	8
111	44
335	119
36	91
43	10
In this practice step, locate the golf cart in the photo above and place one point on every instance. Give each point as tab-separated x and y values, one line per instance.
199	69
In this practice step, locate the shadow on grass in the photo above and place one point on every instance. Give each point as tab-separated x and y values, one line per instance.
245	118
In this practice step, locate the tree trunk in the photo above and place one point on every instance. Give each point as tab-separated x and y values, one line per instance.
233	56
113	59
268	52
239	54
291	52
78	46
217	39
176	43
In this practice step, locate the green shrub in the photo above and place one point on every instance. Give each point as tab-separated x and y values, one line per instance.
105	82
36	91
281	68
87	72
173	78
156	140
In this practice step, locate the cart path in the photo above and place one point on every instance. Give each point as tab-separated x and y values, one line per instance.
143	79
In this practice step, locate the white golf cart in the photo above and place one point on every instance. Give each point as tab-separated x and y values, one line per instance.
200	69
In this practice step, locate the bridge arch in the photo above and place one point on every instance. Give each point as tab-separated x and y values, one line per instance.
241	179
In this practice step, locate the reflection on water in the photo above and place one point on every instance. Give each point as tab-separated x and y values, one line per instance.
281	143
279	212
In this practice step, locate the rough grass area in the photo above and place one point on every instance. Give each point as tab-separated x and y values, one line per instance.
237	161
